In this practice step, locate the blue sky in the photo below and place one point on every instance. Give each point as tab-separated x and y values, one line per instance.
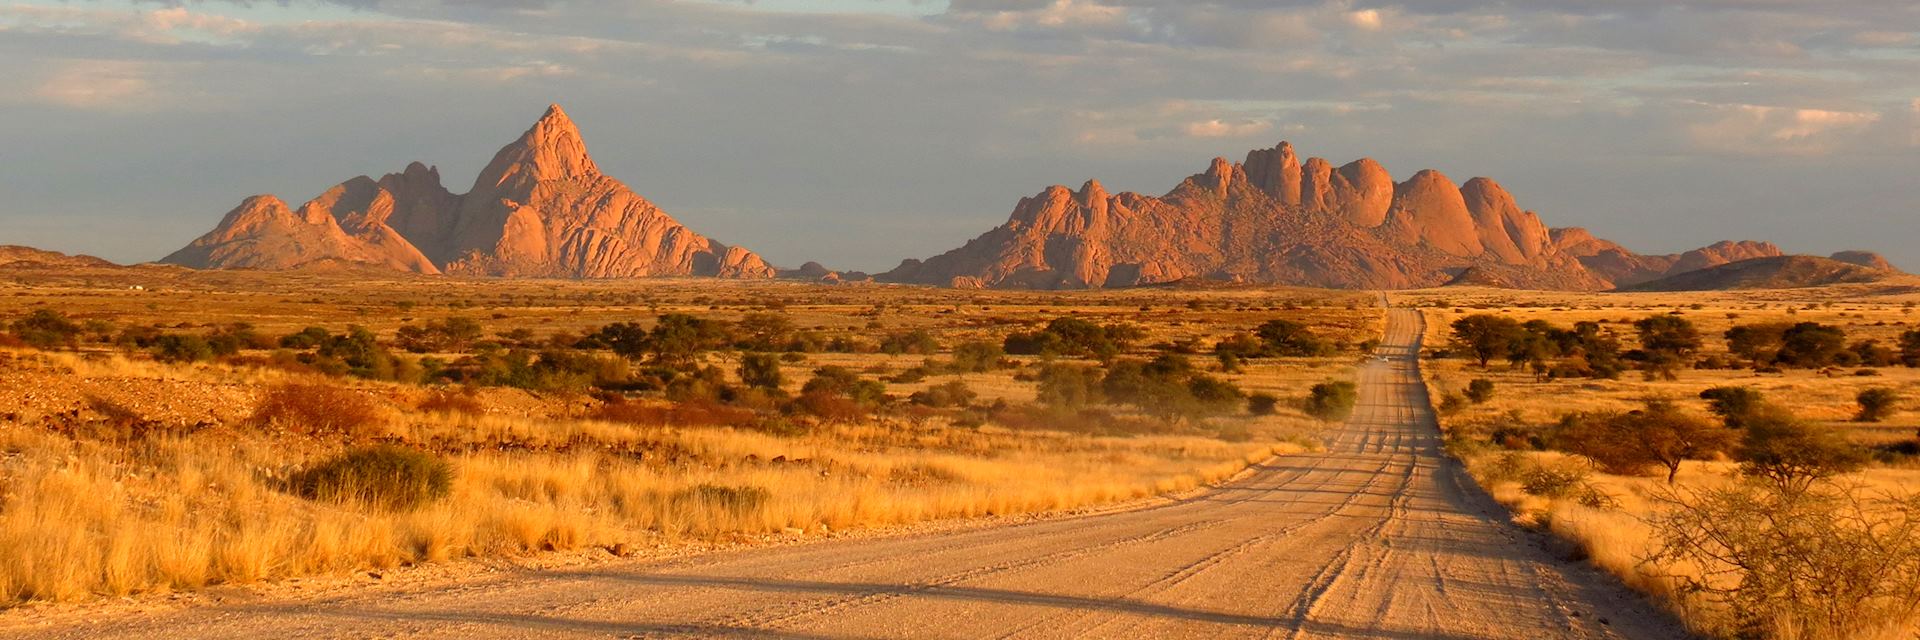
860	132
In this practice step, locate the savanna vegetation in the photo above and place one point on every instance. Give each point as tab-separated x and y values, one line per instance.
1757	472
234	428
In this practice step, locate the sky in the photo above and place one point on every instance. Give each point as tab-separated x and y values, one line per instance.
860	132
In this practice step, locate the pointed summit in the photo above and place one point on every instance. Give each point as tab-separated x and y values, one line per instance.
550	150
541	208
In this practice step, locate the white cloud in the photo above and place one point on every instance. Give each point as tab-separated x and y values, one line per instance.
1769	130
1217	128
117	85
1365	19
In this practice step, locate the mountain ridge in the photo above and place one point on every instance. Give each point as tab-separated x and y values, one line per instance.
1276	219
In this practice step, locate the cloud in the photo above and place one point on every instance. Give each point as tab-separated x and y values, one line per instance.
1768	130
1217	128
117	85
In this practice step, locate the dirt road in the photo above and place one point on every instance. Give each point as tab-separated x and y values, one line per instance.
1381	536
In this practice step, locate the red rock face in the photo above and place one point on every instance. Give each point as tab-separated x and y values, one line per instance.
541	208
1274	219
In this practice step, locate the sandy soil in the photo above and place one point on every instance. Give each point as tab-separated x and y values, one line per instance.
1381	536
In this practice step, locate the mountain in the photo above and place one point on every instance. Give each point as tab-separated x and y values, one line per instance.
1275	219
1776	272
541	208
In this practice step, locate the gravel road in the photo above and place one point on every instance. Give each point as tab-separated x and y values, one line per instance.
1380	536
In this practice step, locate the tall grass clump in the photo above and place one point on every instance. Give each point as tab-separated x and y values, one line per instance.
317	409
386	477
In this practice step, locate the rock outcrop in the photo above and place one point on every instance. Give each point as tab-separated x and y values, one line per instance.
541	208
1866	259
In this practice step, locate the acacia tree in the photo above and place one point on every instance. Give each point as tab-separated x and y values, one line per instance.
1668	342
1486	336
1793	455
1659	435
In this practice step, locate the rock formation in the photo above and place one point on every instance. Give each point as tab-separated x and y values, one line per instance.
541	208
1866	259
1276	219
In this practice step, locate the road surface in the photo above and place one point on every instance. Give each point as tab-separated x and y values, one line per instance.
1380	536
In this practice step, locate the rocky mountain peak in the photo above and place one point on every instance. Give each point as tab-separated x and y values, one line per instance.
541	208
551	149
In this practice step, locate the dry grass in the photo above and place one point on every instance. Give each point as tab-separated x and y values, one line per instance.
1618	536
208	499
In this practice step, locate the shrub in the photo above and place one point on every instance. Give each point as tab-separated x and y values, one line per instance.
917	342
1553	480
1289	338
1876	404
1069	387
1826	565
46	329
1659	435
760	370
1332	401
1480	390
1791	454
386	477
175	347
317	409
1734	405
950	394
1263	404
976	357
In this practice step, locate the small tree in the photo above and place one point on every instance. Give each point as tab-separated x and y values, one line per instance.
46	329
1668	341
1792	455
1065	386
1263	404
1332	401
1485	336
761	370
1480	390
1659	435
1910	347
1876	404
1733	404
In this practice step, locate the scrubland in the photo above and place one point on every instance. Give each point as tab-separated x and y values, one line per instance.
163	446
1810	535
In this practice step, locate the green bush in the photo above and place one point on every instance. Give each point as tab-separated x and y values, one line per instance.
1263	404
181	347
1332	401
761	370
385	477
46	329
1480	390
1877	404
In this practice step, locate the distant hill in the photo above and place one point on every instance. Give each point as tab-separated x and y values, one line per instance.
1779	272
18	256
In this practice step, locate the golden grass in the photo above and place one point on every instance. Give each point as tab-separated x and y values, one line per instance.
1618	538
80	519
